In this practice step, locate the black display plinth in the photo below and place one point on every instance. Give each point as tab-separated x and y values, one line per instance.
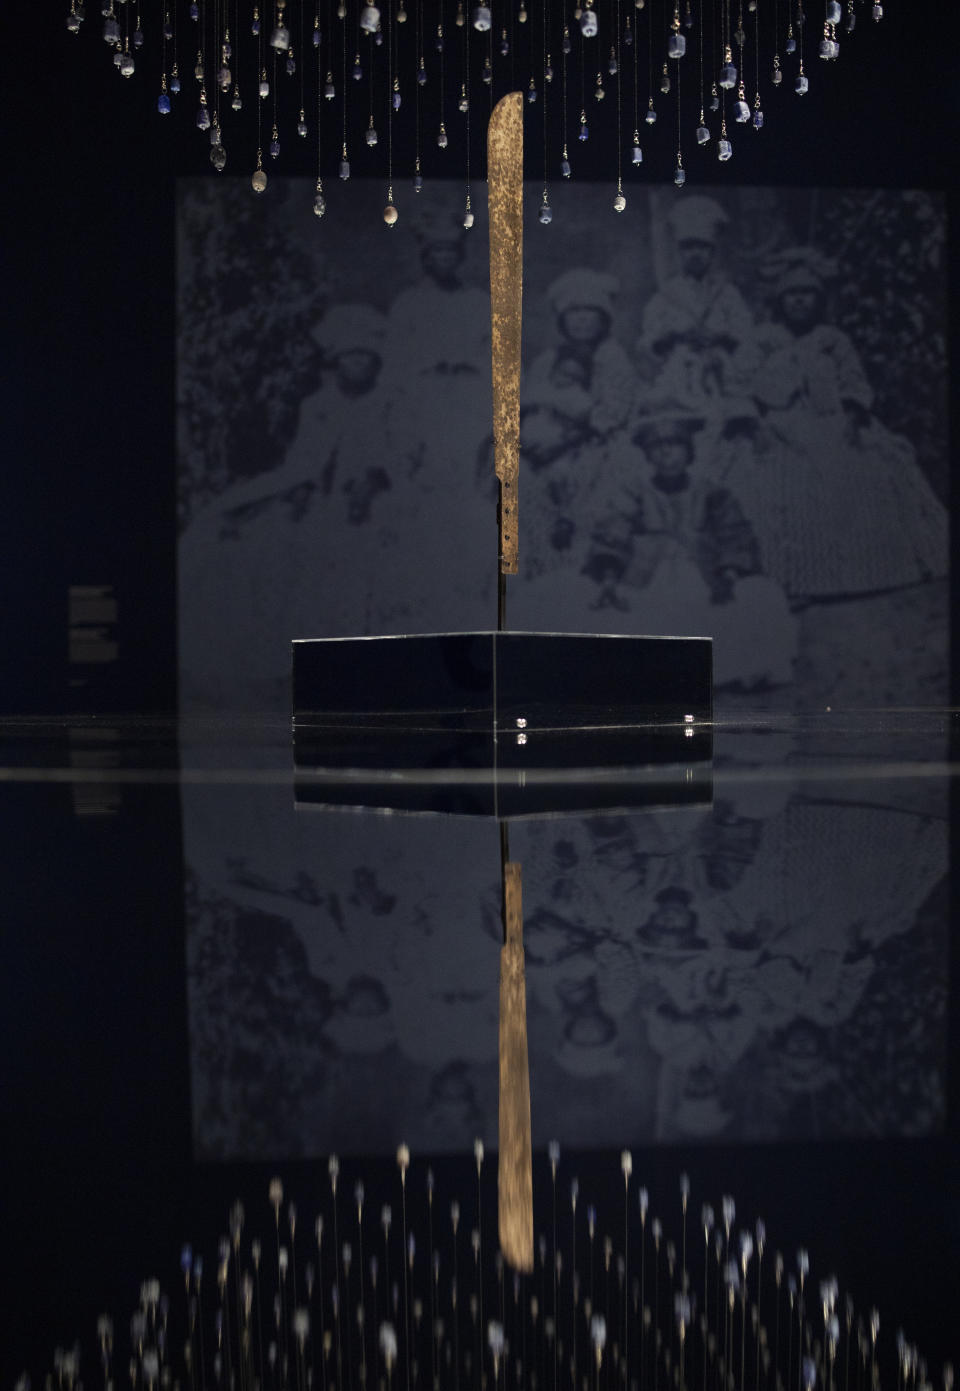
502	723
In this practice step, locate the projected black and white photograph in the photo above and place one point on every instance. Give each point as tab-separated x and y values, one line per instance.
733	424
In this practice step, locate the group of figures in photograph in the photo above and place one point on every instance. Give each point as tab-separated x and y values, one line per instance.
772	967
701	453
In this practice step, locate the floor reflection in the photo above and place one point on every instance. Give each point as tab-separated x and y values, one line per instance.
772	966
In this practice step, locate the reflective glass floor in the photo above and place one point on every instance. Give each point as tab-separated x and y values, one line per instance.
223	969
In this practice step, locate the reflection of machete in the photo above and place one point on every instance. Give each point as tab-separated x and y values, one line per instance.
505	180
515	1176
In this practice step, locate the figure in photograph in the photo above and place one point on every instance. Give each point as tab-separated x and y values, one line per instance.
697	323
678	555
839	503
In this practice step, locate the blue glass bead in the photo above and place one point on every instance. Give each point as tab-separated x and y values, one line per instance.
504	47
714	102
588	24
316	38
302	128
531	94
397	101
487	72
676	46
548	73
138	37
567	44
174	84
274	148
612	66
438	45
329	91
584	133
203	119
417	182
163	104
546	215
111	31
728	76
878	12
357	72
422	76
802	84
565	168
168	30
371	136
344	170
127	65
724	150
227	51
703	135
255	28
758	120
73	23
378	38
851	21
680	176
834	13
776	77
637	155
628	38
791	45
291	65
651	117
194	11
280	38
741	112
218	158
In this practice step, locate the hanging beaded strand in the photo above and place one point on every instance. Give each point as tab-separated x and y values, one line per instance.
565	158
421	77
467	210
679	174
319	202
163	100
302	122
259	180
703	130
757	108
619	202
651	115
371	135
390	213
344	169
546	212
236	102
442	140
636	154
218	155
802	85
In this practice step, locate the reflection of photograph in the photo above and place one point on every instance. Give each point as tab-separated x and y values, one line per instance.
731	973
727	428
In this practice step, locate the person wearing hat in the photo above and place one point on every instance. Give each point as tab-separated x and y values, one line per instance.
583	302
677	553
839	502
697	321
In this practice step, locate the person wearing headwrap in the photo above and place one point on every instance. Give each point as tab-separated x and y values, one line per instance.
697	321
839	503
678	555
